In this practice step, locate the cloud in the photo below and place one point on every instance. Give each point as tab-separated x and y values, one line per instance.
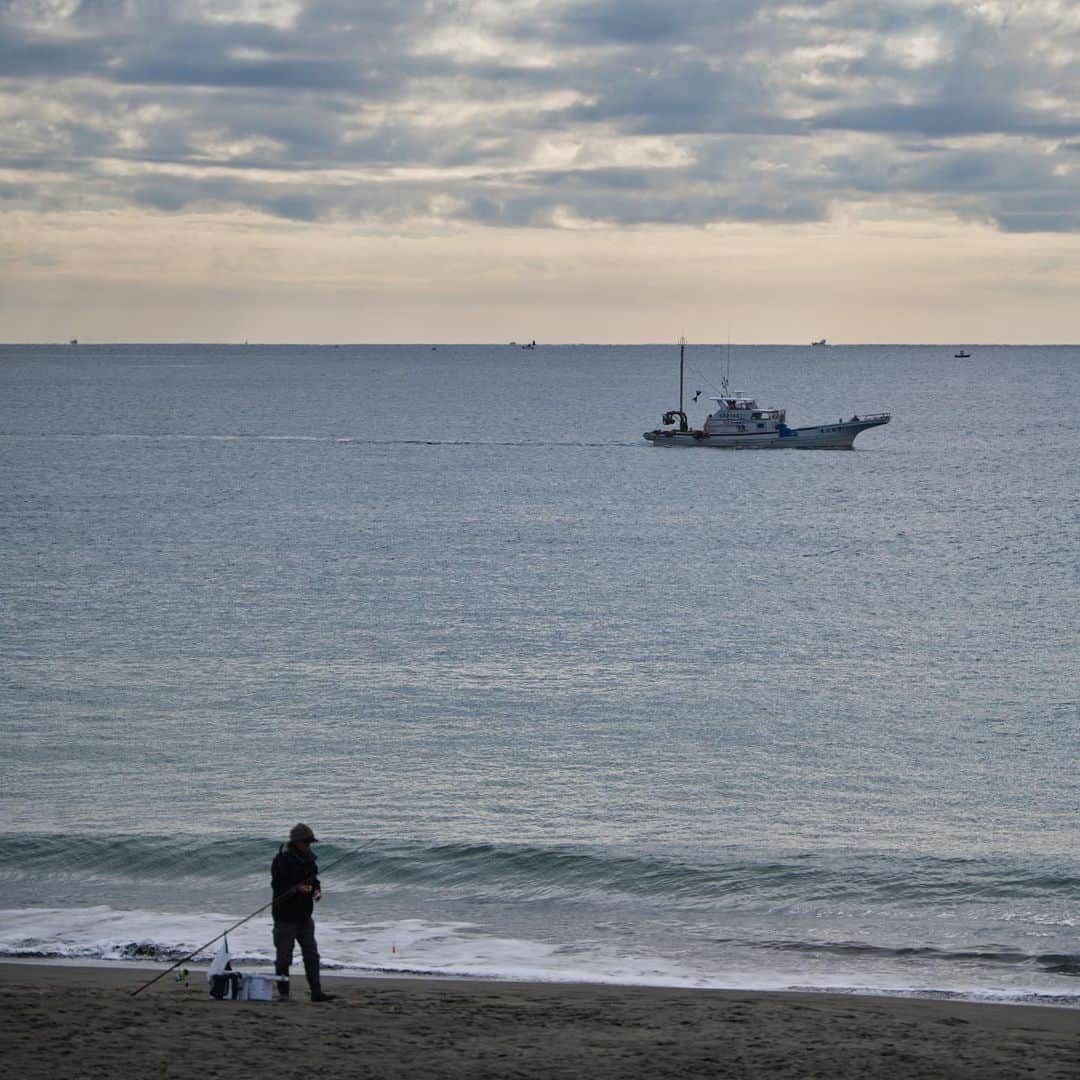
633	112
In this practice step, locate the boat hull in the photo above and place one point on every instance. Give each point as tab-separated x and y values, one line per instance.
839	436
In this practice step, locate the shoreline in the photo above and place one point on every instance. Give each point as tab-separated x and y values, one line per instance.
81	1020
1031	1000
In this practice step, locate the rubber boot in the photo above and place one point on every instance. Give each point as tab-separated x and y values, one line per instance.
312	973
282	987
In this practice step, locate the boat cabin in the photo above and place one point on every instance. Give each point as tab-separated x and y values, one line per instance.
738	413
735	403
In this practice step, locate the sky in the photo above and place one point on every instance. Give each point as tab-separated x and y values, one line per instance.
496	170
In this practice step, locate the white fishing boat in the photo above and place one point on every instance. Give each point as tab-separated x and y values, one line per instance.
740	423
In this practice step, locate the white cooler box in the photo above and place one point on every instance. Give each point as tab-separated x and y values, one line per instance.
257	986
244	986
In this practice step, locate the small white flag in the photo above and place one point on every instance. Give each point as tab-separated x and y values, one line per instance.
222	961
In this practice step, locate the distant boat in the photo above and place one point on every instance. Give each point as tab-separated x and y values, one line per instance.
961	355
819	343
739	423
531	345
74	341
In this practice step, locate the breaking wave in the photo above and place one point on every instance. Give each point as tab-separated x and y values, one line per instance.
862	922
528	872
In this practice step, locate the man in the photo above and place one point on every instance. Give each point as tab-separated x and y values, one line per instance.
295	881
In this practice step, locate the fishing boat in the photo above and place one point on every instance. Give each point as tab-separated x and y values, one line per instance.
961	355
739	423
819	344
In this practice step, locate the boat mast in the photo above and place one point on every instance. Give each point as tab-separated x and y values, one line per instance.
682	351
680	412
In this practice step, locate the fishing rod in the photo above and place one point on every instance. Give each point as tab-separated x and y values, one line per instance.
248	918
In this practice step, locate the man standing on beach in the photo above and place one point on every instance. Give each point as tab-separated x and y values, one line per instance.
295	881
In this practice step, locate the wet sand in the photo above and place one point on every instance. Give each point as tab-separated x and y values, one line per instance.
63	1021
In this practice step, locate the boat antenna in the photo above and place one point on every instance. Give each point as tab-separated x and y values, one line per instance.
727	370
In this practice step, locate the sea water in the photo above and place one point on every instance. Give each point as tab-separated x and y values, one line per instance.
560	704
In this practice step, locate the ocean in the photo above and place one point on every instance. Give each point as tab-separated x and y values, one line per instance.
559	704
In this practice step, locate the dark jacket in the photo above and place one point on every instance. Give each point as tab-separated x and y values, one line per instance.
290	868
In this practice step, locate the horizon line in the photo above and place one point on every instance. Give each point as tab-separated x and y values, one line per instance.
80	343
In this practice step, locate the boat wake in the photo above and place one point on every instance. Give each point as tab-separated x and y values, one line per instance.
345	440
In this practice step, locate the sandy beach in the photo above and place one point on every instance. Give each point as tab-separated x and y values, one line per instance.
64	1021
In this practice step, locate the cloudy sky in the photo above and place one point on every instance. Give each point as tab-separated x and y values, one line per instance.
591	170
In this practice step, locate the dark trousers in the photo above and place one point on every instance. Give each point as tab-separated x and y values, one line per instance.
286	936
